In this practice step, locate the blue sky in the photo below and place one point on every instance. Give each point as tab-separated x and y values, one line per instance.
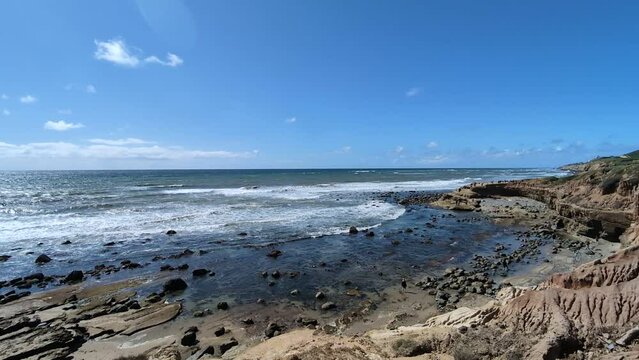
298	84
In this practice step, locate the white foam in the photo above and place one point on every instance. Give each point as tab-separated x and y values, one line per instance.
308	192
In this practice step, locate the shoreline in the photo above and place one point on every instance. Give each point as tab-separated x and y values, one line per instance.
388	308
542	268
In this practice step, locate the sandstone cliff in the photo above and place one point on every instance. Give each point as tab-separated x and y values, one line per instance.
600	200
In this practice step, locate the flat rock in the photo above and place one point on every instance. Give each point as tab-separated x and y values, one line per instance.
130	322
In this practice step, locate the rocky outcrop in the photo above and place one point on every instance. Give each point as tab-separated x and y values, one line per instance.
601	201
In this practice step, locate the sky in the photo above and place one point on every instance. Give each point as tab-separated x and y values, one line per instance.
316	84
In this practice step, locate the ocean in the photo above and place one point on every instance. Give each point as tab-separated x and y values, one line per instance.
231	214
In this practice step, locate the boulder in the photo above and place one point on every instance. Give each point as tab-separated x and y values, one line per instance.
73	277
273	329
173	285
200	272
353	230
171	232
42	259
189	339
224	347
223	305
274	254
219	331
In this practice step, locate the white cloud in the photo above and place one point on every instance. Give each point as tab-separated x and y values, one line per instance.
61	125
120	142
291	120
65	112
344	149
117	52
6	112
28	99
90	89
4	97
413	92
97	151
399	149
172	60
432	145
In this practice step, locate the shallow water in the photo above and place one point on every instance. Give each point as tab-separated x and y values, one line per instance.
302	213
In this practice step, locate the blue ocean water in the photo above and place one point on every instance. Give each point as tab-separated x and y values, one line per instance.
41	210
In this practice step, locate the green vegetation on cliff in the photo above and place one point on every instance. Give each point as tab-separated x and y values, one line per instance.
607	173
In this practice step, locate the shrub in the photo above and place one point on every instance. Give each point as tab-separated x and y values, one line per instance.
610	183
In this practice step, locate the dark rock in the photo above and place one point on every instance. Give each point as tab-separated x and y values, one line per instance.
224	347
328	306
320	295
67	242
134	305
276	274
223	305
166	267
219	331
73	277
248	321
273	329
307	322
183	267
110	243
42	259
353	230
274	254
36	276
370	234
4	258
175	284
200	272
189	339
171	232
242	234
153	298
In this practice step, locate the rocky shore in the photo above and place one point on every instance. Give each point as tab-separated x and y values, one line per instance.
575	295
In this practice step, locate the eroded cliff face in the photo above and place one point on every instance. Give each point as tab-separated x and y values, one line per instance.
600	201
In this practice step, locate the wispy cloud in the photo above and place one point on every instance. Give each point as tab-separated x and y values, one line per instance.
120	142
432	145
399	149
61	125
414	91
435	159
4	97
117	52
90	89
28	99
172	60
344	149
98	151
65	112
291	120
6	112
